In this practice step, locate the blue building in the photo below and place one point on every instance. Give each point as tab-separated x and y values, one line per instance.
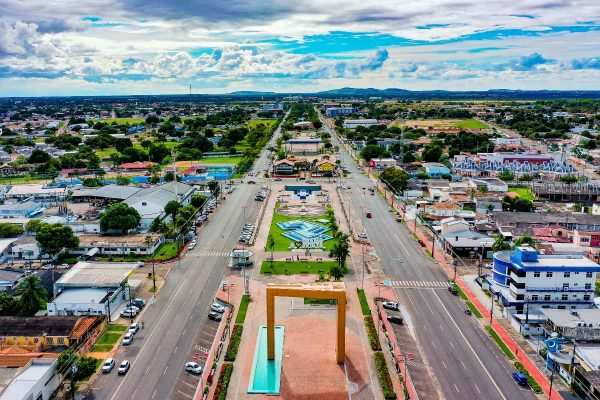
436	170
525	280
335	111
24	209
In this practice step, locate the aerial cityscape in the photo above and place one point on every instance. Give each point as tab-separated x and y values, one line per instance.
299	200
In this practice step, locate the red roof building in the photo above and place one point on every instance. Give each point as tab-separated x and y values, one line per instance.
138	165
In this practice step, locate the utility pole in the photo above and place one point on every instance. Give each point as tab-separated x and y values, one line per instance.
492	312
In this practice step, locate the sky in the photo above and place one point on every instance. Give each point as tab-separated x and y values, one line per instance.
101	47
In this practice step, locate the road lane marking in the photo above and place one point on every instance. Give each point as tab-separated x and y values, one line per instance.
175	350
470	347
464	366
403	246
433	343
154	394
165	371
444	364
476	387
185	394
456	387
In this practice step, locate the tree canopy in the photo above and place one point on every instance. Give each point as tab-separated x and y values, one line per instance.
53	238
395	178
10	230
120	216
32	295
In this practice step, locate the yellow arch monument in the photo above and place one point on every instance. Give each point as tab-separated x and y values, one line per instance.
328	290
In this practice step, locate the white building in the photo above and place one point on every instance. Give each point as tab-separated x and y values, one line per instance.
528	281
91	288
36	381
355	123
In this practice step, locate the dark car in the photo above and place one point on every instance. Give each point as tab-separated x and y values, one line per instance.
453	290
520	378
395	319
215	316
251	182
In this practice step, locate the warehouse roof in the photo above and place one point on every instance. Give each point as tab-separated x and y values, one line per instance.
37	326
109	192
97	274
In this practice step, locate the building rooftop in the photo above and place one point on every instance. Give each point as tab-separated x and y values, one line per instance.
549	218
37	326
33	188
568	319
136	240
82	296
109	192
97	274
21	385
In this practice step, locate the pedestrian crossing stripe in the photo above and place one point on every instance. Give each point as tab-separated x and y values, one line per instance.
208	253
424	284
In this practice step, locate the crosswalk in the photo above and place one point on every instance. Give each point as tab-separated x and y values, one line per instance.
419	284
208	253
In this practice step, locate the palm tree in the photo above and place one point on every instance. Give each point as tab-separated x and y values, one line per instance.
341	249
32	295
524	240
271	245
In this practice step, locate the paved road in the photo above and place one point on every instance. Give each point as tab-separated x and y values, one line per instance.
159	352
464	360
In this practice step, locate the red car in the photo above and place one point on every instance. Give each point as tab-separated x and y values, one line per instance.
368	214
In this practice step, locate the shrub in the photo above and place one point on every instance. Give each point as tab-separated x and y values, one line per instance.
364	305
372	333
223	382
234	342
385	381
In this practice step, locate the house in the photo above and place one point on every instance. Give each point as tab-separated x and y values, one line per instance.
9	278
380	164
141	243
524	278
452	224
137	166
355	123
325	167
26	248
47	333
443	210
550	234
485	204
91	288
283	167
5	157
490	184
150	202
37	379
586	239
581	325
528	220
467	244
435	169
275	108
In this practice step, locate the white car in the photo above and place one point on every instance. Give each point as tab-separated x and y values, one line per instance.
391	305
133	328
124	367
218	308
127	339
362	235
193	367
191	247
108	365
63	266
47	266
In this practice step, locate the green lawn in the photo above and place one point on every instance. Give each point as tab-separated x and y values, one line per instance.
116	328
221	160
282	243
474	309
364	305
470	124
500	342
296	267
105	152
241	315
460	292
254	122
120	120
524	193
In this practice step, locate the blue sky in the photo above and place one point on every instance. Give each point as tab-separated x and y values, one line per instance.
152	46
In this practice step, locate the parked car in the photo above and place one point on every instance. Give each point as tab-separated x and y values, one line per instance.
108	365
251	182
128	314
193	367
216	307
133	328
362	235
215	316
133	308
127	339
47	266
63	266
277	179
191	247
520	378
311	181
139	303
395	319
124	367
390	305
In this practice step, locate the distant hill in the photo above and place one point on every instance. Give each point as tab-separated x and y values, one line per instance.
252	93
348	91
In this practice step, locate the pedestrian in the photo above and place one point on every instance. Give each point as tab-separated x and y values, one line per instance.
142	324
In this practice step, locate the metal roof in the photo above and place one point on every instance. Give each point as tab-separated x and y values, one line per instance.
97	274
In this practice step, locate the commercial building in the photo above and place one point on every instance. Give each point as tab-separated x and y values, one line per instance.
36	381
335	111
9	278
382	163
581	324
571	221
355	123
35	191
522	278
303	146
435	169
91	288
139	244
22	209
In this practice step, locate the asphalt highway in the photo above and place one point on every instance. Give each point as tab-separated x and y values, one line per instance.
466	362
159	352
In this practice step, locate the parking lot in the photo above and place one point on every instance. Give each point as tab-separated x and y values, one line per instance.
186	386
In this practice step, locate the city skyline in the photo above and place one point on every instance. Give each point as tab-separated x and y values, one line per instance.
151	47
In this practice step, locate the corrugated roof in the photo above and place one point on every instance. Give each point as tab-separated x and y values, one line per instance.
97	274
37	326
109	192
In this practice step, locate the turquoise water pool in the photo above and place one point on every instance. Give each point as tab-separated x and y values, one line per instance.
266	374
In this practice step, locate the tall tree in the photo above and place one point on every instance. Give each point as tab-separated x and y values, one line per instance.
395	178
341	249
54	238
524	240
500	244
172	208
8	304
271	245
32	295
120	216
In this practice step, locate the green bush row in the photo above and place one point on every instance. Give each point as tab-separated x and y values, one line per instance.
500	342
223	382
530	381
385	381
372	333
241	315
364	305
234	342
